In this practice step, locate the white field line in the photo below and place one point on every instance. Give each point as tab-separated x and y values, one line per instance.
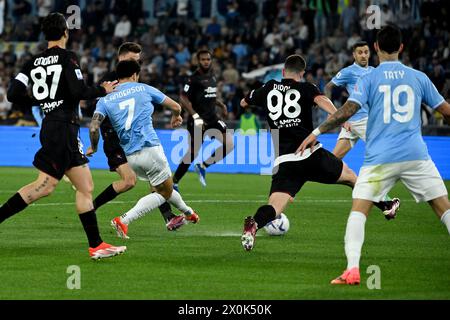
214	201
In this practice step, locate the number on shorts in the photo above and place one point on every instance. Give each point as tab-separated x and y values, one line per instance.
130	104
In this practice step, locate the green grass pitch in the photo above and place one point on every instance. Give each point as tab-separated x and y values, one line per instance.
206	261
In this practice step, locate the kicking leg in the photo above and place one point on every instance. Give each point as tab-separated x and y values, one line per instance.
265	214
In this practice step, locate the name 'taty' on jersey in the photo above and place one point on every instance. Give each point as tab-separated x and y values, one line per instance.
288	105
394	93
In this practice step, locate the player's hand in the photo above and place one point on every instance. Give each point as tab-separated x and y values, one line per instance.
198	122
110	86
176	121
347	126
309	142
90	152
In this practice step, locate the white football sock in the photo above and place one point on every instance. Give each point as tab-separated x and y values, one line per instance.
354	238
144	206
178	203
446	219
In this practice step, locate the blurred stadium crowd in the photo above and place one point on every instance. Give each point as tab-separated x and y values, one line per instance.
244	35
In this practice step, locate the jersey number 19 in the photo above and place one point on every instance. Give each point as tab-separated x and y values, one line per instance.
404	112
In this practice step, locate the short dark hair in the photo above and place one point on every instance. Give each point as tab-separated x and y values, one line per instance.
359	44
202	52
295	63
54	26
129	47
126	69
389	39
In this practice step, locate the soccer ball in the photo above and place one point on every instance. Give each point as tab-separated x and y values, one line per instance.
279	226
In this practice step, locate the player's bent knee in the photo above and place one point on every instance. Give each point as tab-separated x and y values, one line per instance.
347	177
130	182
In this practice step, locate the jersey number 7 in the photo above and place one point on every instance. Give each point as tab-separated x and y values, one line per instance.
130	104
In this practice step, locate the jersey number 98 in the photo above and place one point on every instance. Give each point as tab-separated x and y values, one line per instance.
288	104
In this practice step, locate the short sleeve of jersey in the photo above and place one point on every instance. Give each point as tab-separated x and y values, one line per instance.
341	78
431	95
258	97
101	108
156	95
188	88
24	74
73	66
313	91
360	95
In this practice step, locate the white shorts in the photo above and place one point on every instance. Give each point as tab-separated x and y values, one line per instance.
150	164
421	178
358	132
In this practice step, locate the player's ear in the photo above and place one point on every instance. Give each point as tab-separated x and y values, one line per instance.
284	72
375	45
401	48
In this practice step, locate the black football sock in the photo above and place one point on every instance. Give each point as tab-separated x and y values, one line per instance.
89	222
166	212
107	195
14	205
264	215
382	205
181	171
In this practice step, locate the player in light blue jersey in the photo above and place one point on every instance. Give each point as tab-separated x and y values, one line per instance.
395	149
347	77
355	128
130	109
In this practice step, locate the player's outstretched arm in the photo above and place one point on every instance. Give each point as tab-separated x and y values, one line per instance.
94	133
337	119
177	120
444	109
325	104
329	89
77	86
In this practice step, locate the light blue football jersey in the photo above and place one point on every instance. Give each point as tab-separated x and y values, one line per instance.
348	77
130	109
393	93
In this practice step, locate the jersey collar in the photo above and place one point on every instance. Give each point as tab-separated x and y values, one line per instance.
391	62
357	65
